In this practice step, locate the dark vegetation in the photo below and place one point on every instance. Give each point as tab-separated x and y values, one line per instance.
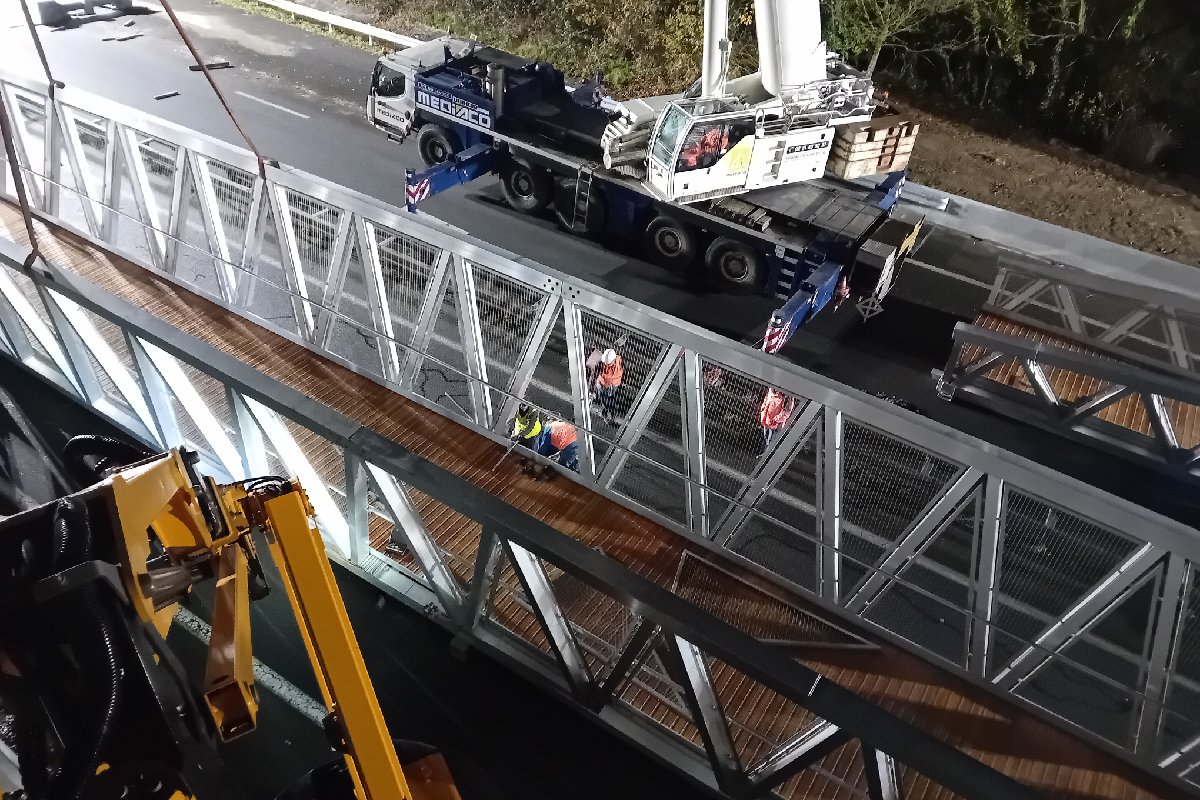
1120	78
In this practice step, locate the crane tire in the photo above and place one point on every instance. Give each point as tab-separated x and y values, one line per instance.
526	188
436	144
564	206
670	243
735	267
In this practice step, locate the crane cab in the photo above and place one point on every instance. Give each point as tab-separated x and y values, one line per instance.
703	149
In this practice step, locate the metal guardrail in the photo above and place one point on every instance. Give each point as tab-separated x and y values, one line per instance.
992	565
335	22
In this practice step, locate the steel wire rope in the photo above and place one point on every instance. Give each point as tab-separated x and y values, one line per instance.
9	141
14	168
187	41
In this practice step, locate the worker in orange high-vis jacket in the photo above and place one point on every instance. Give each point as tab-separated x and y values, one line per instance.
609	375
773	415
558	441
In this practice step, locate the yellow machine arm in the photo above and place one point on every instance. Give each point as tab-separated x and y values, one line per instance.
174	528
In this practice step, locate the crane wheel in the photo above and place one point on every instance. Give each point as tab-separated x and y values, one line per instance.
736	267
564	209
527	189
670	243
436	144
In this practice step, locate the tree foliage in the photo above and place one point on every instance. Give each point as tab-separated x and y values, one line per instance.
867	26
1119	76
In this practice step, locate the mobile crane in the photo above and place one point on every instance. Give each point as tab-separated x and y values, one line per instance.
89	588
732	173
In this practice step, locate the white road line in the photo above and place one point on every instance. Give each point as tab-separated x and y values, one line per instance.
264	676
272	105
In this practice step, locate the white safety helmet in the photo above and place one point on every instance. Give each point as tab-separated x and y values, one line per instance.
608	356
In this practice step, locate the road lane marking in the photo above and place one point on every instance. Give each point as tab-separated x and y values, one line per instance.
272	105
264	676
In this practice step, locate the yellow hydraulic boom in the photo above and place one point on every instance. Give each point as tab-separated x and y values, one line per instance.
169	528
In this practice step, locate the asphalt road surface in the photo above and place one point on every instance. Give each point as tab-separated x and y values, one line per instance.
503	738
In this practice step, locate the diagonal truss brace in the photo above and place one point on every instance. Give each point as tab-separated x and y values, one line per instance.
880	771
549	614
1078	619
657	386
416	535
782	453
940	513
809	747
685	666
332	523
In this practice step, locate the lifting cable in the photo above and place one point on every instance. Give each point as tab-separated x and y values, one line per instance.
9	134
262	171
41	51
14	167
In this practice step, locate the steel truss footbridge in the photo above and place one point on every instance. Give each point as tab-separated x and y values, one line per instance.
878	606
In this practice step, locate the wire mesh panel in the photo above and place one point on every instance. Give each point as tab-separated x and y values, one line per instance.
198	260
1050	559
1181	723
233	192
405	265
928	602
653	476
92	138
352	326
315	227
782	532
788	550
71	193
1098	679
263	286
886	484
443	374
639	354
158	158
27	111
508	312
733	434
550	387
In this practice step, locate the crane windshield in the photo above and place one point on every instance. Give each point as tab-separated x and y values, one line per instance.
674	123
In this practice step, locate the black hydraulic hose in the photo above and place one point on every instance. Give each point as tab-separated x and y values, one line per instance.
98	656
29	733
108	452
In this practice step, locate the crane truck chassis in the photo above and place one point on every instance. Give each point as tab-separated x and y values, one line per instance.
477	111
